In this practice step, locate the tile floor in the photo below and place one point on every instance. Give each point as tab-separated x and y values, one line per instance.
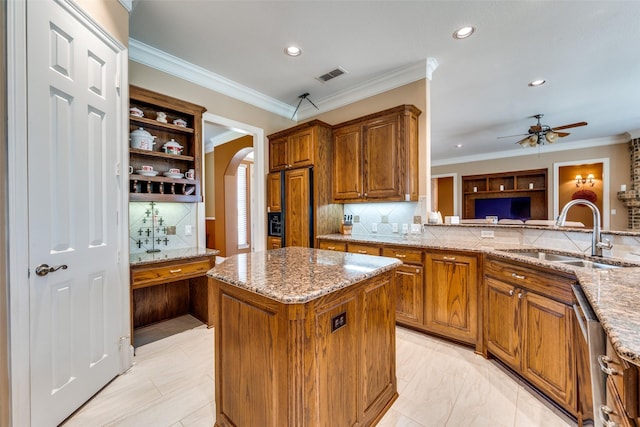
440	385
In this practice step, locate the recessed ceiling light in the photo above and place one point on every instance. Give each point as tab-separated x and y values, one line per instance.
463	32
458	145
293	51
538	82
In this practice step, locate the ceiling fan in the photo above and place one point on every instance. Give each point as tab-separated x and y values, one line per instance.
540	133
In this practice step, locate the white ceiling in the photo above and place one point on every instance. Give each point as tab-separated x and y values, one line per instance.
588	51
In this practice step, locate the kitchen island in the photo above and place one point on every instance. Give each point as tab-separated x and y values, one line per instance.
304	337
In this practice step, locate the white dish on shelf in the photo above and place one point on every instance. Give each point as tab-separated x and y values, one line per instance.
173	175
147	173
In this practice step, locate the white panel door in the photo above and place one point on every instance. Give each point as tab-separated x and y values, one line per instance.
73	194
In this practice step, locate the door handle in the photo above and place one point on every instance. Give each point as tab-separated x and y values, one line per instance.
44	269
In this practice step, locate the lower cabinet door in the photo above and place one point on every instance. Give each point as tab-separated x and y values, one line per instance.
452	296
548	355
409	294
502	321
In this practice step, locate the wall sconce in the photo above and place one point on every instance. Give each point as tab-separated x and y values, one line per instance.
588	180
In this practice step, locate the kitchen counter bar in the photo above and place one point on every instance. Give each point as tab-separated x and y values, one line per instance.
613	293
304	337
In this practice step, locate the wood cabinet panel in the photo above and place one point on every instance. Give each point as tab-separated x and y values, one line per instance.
347	163
151	274
300	148
548	353
332	246
452	295
381	154
274	242
297	208
409	256
409	294
376	157
361	248
274	192
278	154
502	321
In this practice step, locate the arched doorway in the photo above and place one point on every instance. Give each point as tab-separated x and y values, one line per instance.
238	178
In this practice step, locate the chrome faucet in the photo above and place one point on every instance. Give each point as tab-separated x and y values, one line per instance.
596	239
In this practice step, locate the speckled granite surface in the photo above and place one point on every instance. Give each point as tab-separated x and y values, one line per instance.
296	275
170	255
614	293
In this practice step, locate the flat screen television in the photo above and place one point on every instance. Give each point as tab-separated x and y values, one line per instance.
505	207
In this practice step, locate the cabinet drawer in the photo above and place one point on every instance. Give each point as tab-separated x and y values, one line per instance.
624	377
614	411
153	275
549	283
333	246
363	249
409	256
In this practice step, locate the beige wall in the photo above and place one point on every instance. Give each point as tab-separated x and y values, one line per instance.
412	93
209	185
111	15
619	171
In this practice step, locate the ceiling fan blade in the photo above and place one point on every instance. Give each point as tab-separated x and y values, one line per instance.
511	136
561	134
572	125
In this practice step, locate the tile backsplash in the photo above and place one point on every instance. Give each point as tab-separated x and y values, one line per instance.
384	216
169	230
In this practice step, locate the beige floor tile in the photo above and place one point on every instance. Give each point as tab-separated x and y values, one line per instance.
441	384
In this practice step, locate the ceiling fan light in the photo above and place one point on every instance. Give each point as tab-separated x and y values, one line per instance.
551	137
533	140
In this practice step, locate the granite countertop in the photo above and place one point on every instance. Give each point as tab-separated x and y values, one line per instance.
614	293
142	258
294	275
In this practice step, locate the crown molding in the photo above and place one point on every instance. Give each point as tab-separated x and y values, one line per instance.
548	148
128	4
394	79
165	62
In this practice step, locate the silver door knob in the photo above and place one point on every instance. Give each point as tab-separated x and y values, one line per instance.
44	269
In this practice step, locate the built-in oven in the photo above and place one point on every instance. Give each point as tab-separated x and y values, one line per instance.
595	337
274	220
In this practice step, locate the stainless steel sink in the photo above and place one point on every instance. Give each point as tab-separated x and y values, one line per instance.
563	259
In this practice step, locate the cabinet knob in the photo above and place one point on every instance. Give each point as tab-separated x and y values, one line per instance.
365	194
362	251
331	248
511	292
520	295
449	258
604	361
605	413
518	276
177	270
400	256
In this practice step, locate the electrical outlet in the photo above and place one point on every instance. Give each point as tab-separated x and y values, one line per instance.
405	228
385	219
394	227
188	230
487	233
171	230
417	219
374	227
356	218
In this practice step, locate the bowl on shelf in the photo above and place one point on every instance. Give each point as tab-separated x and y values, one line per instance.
146	172
173	175
180	122
172	147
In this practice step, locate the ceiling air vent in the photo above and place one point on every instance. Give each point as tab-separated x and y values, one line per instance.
331	74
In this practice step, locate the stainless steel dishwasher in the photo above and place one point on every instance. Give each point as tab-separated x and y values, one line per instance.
596	342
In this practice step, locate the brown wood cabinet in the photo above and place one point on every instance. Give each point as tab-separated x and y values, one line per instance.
529	326
274	192
165	289
274	242
306	146
622	392
297	231
525	183
161	188
294	150
282	364
409	285
376	157
452	295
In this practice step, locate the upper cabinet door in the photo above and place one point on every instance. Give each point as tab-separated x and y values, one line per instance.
278	154
274	192
381	157
300	149
347	163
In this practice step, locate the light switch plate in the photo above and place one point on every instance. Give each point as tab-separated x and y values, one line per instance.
374	227
487	233
188	230
394	227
